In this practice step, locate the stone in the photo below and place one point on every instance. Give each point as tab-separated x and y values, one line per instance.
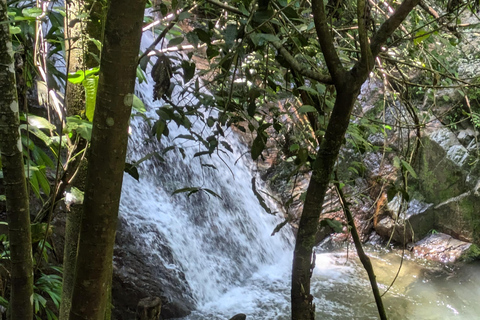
137	274
239	316
440	247
412	224
149	308
448	177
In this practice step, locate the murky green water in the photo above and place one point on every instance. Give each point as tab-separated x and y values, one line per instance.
422	291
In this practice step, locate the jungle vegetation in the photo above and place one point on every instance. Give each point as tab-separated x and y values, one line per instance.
261	61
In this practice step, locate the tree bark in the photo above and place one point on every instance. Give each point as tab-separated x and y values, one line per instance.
81	55
302	301
107	158
347	85
18	214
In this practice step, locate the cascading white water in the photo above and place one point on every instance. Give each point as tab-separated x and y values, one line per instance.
217	243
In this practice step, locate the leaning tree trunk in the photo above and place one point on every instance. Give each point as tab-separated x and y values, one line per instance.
106	160
18	214
347	85
81	54
302	301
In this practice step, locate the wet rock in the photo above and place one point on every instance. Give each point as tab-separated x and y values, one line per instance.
149	308
239	316
440	247
411	225
138	274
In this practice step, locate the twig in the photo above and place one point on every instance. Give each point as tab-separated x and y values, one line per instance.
367	264
157	41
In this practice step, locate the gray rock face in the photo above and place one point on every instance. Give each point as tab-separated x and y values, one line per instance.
440	247
448	177
138	276
412	224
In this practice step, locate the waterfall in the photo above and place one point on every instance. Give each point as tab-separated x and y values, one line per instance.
217	245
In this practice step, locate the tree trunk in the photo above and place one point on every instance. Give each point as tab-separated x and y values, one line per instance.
347	85
18	214
80	55
302	301
107	158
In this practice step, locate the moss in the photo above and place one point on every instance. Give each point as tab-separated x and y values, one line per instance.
472	254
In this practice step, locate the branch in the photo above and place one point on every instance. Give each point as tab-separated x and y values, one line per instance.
325	39
227	7
304	70
157	41
367	264
362	17
441	19
390	25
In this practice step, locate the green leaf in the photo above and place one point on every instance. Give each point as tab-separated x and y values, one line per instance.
259	39
141	75
40	122
175	41
188	70
335	225
230	35
308	89
138	104
187	189
81	75
80	126
90	84
15	30
132	170
201	153
186	136
257	146
202	35
294	147
421	36
409	168
211	192
43	182
306	108
184	15
32	12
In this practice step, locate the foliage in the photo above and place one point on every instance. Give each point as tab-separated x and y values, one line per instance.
472	254
47	287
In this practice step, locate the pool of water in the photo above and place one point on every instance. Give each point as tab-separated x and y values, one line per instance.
340	285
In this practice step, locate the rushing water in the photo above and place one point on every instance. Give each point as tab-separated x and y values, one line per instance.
233	264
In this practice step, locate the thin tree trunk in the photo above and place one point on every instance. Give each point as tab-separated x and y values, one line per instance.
367	264
107	158
81	55
302	300
18	214
347	85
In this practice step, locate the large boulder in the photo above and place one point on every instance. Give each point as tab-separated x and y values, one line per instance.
449	178
139	274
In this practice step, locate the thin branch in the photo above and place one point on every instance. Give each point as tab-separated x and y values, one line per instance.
157	41
226	7
299	67
362	17
325	39
390	25
367	264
